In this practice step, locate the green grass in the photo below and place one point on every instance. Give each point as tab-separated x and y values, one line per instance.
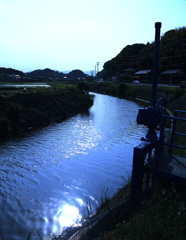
162	217
121	195
136	91
37	107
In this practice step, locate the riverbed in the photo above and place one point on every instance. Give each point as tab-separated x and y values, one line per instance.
47	175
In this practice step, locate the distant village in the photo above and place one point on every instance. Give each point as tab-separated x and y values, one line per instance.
172	76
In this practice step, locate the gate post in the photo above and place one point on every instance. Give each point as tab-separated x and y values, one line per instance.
140	153
137	174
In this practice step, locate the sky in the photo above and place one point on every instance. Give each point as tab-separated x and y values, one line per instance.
65	35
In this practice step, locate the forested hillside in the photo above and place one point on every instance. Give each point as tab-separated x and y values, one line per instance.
140	57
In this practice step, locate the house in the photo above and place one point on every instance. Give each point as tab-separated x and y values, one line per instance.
171	72
13	77
172	76
143	72
143	75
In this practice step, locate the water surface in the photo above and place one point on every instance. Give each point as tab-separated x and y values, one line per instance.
47	175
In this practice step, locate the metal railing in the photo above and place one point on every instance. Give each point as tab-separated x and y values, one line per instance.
144	152
174	118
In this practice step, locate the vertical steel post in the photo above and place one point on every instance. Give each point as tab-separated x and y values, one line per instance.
155	64
137	173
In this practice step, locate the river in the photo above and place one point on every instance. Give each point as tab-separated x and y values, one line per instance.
47	175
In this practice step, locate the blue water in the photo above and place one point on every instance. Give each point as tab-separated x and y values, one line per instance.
47	175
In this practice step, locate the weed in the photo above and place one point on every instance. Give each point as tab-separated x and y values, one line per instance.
122	88
131	92
163	217
38	234
84	86
106	236
179	92
89	207
104	199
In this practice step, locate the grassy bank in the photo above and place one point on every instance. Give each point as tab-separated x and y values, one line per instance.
22	109
132	91
162	217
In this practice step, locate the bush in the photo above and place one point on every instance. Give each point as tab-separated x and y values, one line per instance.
178	92
122	88
131	92
83	86
5	126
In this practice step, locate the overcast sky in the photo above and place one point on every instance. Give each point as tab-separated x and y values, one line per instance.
76	34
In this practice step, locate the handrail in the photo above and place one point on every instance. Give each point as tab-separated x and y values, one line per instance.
180	111
146	148
174	145
180	134
173	117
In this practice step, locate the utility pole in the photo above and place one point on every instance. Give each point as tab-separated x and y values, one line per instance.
97	70
97	67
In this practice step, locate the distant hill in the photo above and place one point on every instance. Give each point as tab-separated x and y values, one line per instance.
140	57
46	73
11	71
55	75
126	59
77	74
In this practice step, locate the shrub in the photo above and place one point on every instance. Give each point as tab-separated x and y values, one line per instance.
83	86
131	92
122	88
178	92
5	126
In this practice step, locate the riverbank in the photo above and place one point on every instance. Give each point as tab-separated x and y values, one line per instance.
167	202
163	216
22	110
175	97
108	233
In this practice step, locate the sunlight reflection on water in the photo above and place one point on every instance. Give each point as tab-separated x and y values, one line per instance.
66	216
